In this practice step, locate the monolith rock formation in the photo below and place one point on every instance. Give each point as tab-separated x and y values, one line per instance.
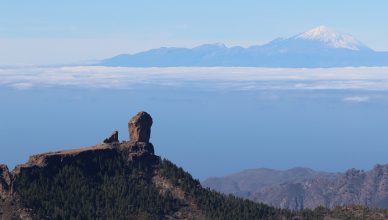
140	127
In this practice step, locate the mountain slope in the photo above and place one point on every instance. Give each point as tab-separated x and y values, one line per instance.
318	47
308	189
352	187
126	180
247	182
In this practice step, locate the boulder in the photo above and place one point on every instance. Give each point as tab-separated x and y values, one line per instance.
140	128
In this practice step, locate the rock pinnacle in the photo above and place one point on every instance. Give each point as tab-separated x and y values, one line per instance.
140	127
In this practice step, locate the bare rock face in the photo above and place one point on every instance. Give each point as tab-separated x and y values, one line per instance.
5	179
113	138
139	133
138	149
140	128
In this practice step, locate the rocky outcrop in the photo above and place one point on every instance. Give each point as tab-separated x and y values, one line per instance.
140	127
10	207
5	180
113	138
139	148
139	133
60	158
136	151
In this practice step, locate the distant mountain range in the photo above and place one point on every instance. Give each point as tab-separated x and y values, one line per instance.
248	182
319	47
301	188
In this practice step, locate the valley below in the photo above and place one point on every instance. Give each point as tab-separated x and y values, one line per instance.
301	188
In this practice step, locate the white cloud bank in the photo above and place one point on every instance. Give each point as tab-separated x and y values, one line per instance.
207	78
357	99
21	86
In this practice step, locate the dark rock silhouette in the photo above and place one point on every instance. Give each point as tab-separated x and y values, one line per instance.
113	138
140	127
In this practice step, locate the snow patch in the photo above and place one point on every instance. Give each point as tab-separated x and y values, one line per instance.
332	38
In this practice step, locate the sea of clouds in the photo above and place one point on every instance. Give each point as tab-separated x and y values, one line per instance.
242	78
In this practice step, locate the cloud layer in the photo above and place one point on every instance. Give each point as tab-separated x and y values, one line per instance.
205	78
357	99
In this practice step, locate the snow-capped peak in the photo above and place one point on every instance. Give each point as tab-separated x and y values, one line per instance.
332	38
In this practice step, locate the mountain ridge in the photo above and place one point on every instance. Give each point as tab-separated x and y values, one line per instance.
248	181
309	190
318	47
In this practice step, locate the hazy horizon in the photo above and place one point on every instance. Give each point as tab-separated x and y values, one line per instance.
45	32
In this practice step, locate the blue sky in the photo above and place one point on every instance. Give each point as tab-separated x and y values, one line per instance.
210	121
44	32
